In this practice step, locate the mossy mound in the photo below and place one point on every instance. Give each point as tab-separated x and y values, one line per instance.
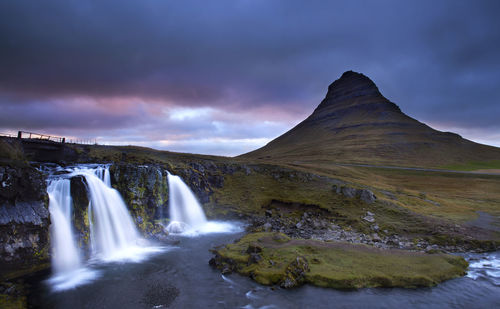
273	258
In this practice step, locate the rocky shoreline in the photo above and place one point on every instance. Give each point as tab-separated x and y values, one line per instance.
314	226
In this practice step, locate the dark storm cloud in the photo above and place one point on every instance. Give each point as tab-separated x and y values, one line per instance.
437	60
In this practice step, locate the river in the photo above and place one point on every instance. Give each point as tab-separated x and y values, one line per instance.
179	277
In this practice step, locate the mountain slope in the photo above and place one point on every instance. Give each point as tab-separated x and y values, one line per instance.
355	123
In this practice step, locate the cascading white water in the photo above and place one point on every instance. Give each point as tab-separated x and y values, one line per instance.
112	228
113	235
65	256
185	211
187	216
66	260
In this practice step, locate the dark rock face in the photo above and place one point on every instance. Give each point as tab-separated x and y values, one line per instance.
145	187
226	266
24	216
81	222
145	191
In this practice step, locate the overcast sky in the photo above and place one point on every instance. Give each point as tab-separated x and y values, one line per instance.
226	77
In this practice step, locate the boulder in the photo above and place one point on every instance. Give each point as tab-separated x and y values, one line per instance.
366	196
348	192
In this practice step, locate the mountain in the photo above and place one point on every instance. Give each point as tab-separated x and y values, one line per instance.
355	123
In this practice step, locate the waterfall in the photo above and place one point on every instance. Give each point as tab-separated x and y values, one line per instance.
65	256
185	211
113	234
187	216
112	229
66	260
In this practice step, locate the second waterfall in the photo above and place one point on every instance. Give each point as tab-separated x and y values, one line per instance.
185	211
186	214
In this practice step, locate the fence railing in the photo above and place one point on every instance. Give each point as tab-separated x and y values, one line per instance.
82	141
45	137
32	135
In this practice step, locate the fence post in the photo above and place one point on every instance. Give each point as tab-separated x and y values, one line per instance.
19	134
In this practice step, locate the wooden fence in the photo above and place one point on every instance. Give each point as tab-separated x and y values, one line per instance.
32	135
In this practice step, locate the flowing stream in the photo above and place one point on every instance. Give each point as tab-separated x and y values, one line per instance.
178	274
182	278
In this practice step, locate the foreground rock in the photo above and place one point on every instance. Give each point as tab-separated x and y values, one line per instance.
275	259
24	218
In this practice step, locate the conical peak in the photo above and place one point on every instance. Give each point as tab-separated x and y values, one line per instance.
351	84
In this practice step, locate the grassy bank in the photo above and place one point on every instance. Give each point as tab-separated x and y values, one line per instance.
272	258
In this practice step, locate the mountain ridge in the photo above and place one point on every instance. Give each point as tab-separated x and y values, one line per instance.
355	123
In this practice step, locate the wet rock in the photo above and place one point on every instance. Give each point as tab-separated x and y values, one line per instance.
24	217
145	191
295	273
80	199
225	266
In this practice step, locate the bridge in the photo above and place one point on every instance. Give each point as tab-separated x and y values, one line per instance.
43	147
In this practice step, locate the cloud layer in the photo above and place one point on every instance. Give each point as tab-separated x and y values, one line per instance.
226	77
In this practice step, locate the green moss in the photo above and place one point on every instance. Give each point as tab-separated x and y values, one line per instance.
338	265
